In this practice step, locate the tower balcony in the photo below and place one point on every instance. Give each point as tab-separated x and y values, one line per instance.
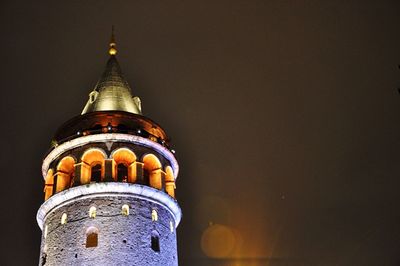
109	157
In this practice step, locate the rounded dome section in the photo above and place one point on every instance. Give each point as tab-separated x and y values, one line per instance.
111	122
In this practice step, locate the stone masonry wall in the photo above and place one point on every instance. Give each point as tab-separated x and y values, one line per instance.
122	240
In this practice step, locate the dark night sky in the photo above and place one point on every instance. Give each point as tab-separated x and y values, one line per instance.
284	115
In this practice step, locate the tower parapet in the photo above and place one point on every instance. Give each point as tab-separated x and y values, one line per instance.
110	184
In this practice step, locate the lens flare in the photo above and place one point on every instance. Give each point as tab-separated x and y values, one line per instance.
218	241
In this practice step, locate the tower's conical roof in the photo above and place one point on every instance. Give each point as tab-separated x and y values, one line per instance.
112	91
112	76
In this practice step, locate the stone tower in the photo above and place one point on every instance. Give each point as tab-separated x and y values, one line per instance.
109	184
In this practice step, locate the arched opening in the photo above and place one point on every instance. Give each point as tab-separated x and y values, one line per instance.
122	173
64	218
125	210
49	183
92	237
152	171
169	181
92	166
96	173
65	173
154	216
92	212
155	241
124	165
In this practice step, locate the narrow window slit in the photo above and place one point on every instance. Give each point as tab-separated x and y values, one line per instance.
155	241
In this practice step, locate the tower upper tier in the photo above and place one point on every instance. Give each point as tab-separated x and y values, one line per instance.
112	116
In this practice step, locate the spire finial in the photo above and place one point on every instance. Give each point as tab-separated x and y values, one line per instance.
113	45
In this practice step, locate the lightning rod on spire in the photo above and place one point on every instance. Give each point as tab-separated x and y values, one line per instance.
113	45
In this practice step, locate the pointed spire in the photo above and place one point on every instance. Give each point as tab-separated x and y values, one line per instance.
113	44
112	91
112	76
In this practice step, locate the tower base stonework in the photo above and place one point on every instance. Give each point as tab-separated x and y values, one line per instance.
123	238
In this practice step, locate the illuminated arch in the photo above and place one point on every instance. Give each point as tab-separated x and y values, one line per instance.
64	218
124	167
92	212
93	161
49	184
65	173
154	215
169	181
92	237
152	171
125	209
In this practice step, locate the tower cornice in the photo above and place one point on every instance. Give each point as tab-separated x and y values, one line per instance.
109	189
112	122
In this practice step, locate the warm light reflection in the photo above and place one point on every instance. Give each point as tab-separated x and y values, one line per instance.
90	158
127	158
49	183
65	173
152	170
169	181
254	238
218	241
